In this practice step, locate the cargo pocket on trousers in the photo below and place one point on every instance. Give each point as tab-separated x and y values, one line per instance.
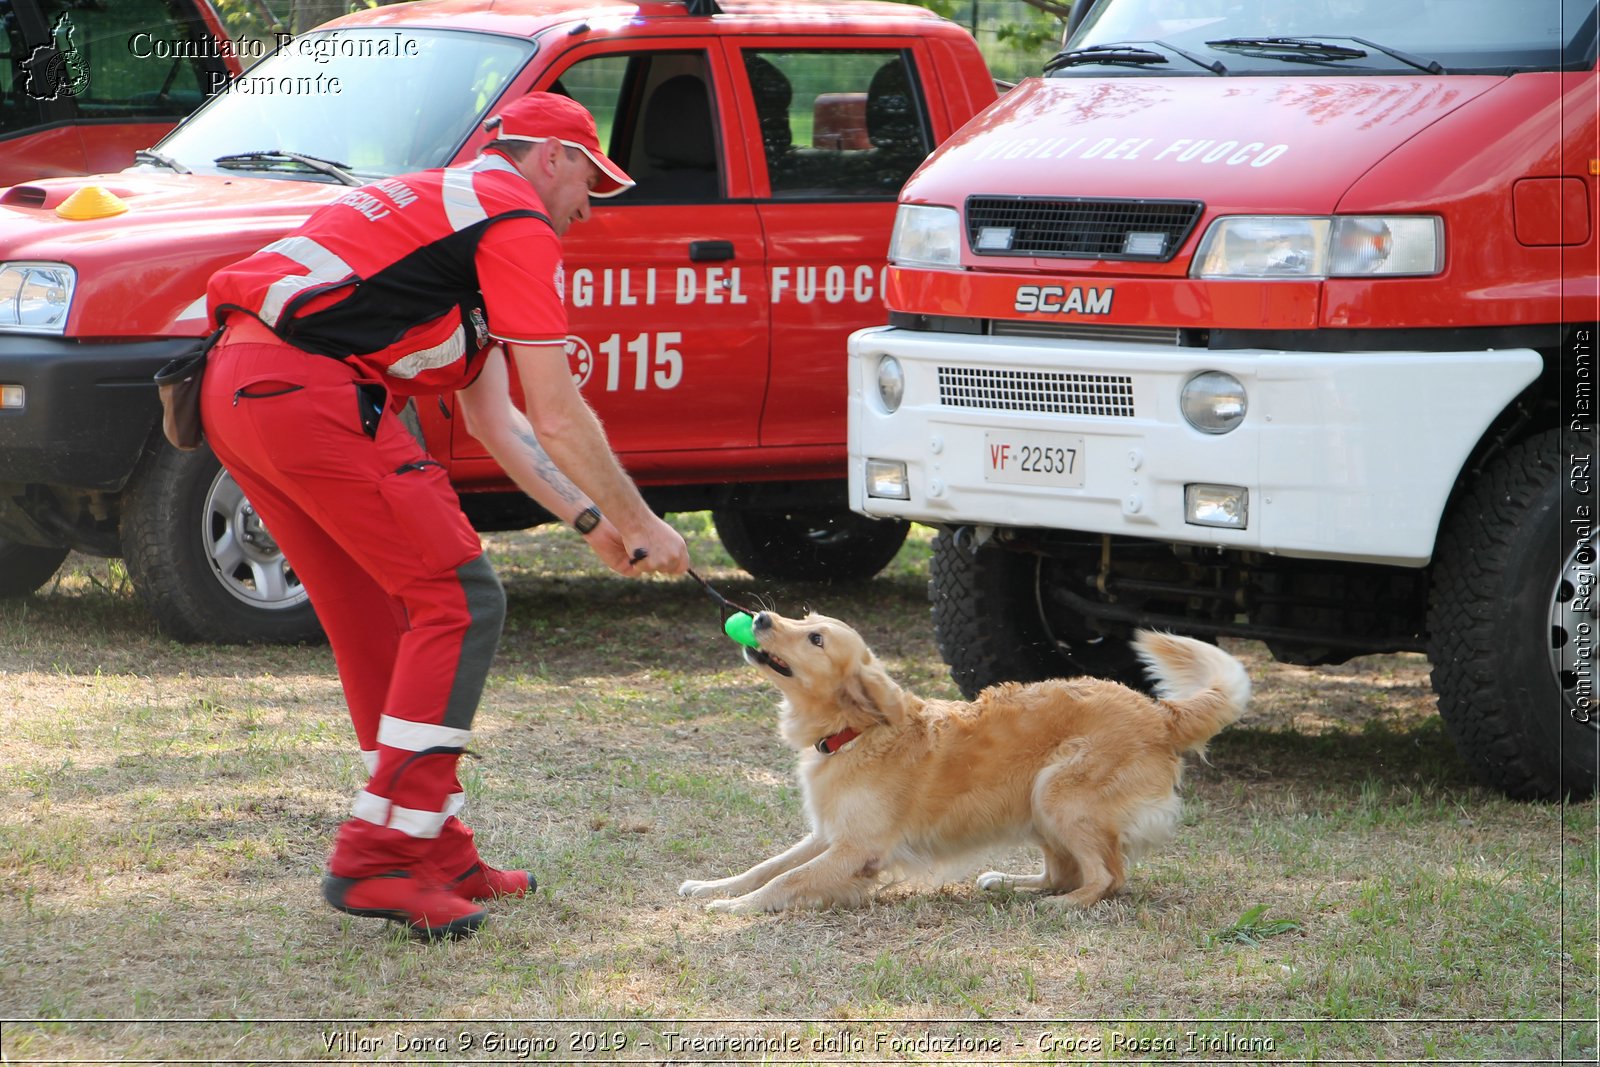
427	516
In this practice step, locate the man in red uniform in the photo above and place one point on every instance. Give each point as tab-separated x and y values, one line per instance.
419	285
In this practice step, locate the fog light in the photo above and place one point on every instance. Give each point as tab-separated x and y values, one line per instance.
1213	402
891	383
1227	506
886	479
13	397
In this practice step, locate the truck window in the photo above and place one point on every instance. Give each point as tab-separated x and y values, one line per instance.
845	124
21	103
655	111
134	58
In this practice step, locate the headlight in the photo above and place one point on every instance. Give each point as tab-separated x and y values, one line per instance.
1227	506
886	480
1398	245
1213	402
925	237
36	296
891	383
1341	246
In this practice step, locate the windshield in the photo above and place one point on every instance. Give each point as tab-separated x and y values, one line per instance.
1461	36
374	102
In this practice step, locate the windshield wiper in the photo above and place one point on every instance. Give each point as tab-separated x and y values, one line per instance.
242	160
1432	66
1316	50
150	155
1127	52
1289	48
1103	53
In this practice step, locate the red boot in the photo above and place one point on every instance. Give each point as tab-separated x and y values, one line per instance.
465	872
483	882
417	898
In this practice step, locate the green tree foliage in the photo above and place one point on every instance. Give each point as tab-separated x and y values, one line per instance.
251	18
1016	36
263	18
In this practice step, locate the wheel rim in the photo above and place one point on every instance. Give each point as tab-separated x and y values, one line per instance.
1572	633
246	560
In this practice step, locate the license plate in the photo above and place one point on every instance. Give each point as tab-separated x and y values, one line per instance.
1052	459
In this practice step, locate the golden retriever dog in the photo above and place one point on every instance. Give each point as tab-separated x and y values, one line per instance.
1083	768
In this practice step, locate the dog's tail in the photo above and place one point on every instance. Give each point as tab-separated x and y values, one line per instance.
1202	687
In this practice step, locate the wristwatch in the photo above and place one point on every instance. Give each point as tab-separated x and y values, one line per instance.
587	519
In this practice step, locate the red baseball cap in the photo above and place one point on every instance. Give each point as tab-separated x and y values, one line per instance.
543	116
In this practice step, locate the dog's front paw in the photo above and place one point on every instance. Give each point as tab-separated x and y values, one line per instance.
694	888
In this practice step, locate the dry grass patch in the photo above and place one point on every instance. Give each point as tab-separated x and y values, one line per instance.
1340	889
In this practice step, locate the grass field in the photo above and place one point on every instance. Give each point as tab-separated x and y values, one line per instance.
1340	890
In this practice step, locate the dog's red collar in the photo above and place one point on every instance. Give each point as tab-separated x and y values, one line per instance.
834	742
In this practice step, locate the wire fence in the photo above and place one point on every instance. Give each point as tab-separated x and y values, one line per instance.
1015	36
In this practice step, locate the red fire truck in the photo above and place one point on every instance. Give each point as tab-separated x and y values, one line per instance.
1265	319
709	305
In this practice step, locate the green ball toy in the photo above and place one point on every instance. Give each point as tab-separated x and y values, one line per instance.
742	629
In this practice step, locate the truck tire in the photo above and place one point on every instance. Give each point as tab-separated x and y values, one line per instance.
201	560
1511	624
829	546
24	568
991	626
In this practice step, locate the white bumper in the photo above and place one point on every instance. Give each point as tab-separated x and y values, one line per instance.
1344	455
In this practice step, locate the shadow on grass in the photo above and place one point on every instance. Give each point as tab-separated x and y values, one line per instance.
104	611
605	625
1416	755
584	621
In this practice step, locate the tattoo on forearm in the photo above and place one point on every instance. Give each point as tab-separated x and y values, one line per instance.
548	470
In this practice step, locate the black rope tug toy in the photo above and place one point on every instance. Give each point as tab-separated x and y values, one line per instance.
740	625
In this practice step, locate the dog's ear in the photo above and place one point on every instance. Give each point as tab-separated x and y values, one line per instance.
870	695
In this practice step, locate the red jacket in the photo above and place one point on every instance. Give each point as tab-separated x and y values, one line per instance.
388	275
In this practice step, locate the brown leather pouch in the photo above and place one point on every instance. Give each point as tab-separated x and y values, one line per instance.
178	383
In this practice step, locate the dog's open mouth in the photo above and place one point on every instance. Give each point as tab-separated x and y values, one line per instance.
766	659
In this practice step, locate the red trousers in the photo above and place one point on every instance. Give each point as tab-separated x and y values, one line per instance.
396	574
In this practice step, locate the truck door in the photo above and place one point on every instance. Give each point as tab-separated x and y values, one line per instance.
841	128
665	296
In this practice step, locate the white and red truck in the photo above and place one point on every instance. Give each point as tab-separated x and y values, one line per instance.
1273	320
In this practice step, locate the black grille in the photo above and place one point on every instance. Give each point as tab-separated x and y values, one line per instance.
1043	392
1079	227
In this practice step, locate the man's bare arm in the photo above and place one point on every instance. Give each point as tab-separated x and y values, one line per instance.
559	454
